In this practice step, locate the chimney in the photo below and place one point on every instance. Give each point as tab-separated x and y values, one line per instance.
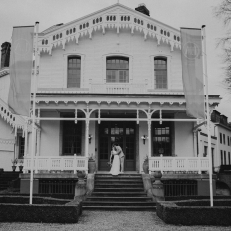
5	54
143	9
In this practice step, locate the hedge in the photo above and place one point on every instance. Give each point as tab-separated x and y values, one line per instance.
47	210
195	212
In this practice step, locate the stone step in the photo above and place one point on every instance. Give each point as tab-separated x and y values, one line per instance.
119	180
119	203
116	185
124	208
118	194
134	199
121	190
119	176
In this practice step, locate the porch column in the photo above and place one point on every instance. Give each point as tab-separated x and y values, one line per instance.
26	143
86	137
149	138
195	143
38	143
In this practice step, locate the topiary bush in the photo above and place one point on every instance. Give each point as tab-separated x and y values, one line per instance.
47	210
195	212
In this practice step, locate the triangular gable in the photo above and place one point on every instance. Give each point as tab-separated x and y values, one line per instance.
116	16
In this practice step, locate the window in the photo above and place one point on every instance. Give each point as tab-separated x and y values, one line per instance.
72	137
162	139
228	140
160	73
21	147
117	70
225	157
221	157
220	138
224	138
74	71
205	151
229	158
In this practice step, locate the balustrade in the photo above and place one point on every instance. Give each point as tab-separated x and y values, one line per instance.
56	163
194	164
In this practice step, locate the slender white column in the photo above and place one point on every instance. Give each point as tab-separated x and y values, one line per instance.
149	138
208	117
26	143
86	137
33	118
38	143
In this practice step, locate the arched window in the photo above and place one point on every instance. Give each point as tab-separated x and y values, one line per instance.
74	71
117	70
160	72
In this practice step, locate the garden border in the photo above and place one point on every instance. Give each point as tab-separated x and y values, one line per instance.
47	210
195	212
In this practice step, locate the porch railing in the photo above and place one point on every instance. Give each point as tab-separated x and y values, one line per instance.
56	163
177	164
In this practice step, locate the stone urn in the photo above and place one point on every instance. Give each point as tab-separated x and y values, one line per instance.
157	175
91	166
145	166
81	175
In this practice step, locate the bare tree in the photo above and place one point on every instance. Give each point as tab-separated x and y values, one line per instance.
223	12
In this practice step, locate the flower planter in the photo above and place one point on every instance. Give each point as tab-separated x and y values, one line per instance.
20	168
13	168
146	167
91	166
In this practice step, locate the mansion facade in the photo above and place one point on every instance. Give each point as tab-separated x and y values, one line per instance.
112	76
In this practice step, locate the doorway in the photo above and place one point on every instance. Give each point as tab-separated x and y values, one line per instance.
123	133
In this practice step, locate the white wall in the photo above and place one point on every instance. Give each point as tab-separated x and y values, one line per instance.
4	87
141	52
49	145
183	137
6	145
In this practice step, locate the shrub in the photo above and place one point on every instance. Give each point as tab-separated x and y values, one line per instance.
47	210
195	212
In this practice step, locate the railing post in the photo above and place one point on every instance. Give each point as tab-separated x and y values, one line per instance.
187	164
199	165
161	164
49	164
75	164
36	164
62	163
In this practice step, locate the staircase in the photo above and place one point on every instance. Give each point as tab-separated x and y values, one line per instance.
6	178
123	192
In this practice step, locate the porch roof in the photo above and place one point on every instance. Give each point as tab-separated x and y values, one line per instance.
157	98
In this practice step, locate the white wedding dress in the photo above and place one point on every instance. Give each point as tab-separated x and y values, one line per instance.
115	169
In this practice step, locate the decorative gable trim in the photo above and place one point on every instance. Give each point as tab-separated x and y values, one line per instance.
116	16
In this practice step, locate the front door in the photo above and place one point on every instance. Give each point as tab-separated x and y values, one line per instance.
121	132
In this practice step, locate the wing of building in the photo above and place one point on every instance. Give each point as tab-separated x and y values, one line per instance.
113	76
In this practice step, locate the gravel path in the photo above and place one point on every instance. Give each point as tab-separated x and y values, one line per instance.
107	220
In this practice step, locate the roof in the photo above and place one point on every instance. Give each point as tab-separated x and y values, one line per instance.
60	26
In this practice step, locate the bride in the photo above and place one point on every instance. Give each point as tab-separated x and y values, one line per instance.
115	169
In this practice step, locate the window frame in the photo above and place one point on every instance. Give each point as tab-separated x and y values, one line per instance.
117	70
65	68
104	65
221	157
170	136
21	146
169	61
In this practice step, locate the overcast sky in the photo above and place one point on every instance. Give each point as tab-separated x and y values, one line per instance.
175	13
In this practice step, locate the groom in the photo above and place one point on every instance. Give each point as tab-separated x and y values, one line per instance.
121	156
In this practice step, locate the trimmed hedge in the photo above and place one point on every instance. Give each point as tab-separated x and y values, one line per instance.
47	210
195	212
